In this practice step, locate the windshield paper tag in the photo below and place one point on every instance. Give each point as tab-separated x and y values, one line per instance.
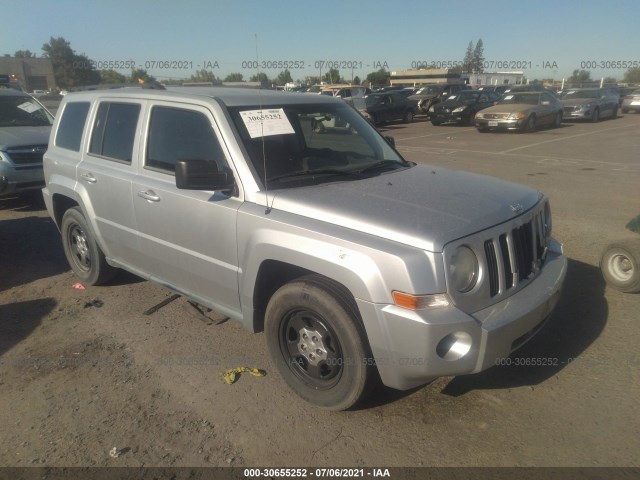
28	107
508	97
263	123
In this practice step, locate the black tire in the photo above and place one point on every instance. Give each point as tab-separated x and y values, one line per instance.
615	113
595	117
326	313
435	123
558	120
374	118
83	253
625	110
530	125
482	130
620	265
408	117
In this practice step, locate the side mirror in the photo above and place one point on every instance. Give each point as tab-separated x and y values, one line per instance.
202	175
391	141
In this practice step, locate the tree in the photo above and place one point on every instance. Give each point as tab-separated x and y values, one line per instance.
356	80
111	76
610	80
477	62
467	62
632	75
204	76
332	76
24	54
283	78
580	76
379	78
234	77
69	69
260	77
139	75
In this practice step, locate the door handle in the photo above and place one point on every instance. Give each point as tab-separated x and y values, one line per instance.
149	195
88	177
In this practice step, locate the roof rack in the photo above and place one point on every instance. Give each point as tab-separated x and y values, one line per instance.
111	86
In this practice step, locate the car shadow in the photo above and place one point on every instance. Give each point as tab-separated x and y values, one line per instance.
18	320
31	250
577	321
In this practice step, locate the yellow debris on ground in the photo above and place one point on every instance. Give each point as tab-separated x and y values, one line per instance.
229	376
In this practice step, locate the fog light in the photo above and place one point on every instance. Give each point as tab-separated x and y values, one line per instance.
454	346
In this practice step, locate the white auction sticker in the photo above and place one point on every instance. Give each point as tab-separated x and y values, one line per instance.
263	123
29	107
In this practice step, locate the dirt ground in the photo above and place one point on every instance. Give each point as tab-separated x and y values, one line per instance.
87	379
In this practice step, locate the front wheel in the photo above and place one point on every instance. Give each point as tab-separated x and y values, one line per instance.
316	338
83	253
530	125
595	116
620	265
408	117
558	120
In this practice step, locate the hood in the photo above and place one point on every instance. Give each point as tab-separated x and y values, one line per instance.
23	136
508	108
578	101
424	206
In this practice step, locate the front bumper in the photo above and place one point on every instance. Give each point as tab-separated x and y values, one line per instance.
568	114
412	348
499	124
450	117
15	179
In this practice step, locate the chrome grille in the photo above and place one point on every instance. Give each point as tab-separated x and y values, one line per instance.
27	154
496	116
516	255
570	109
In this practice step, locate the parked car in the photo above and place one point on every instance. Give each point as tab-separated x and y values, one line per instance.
357	264
388	106
462	107
500	89
623	92
524	111
25	126
631	102
429	95
589	104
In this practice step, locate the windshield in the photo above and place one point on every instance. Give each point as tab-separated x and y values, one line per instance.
429	90
581	94
468	96
22	111
525	98
294	145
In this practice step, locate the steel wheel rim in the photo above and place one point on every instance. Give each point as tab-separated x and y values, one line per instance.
620	267
79	248
317	359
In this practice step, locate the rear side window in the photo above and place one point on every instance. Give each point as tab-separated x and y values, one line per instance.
176	134
114	130
71	125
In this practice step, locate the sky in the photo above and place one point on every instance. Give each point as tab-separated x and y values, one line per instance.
173	39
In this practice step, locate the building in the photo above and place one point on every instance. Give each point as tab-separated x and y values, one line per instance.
29	73
413	78
494	78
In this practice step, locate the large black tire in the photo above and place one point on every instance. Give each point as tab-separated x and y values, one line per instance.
557	122
615	112
595	116
625	110
83	253
408	116
318	343
435	123
620	265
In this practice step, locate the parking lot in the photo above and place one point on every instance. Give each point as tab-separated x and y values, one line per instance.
84	371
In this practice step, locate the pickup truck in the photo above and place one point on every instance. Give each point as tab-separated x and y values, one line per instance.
357	264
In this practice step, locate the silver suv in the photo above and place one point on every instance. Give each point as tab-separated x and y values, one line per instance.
25	126
356	263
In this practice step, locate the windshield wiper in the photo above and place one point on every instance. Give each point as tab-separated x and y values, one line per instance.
383	163
311	173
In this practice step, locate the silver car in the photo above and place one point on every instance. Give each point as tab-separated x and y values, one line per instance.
24	133
631	102
524	111
590	103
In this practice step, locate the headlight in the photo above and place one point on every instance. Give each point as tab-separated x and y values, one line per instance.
459	109
463	269
518	116
479	115
547	220
432	108
585	107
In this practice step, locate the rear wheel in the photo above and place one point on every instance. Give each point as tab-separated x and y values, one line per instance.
83	253
408	117
595	116
317	341
558	120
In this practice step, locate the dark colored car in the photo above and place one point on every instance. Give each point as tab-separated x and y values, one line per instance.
463	106
500	89
429	95
384	107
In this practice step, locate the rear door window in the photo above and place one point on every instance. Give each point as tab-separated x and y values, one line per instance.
114	130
